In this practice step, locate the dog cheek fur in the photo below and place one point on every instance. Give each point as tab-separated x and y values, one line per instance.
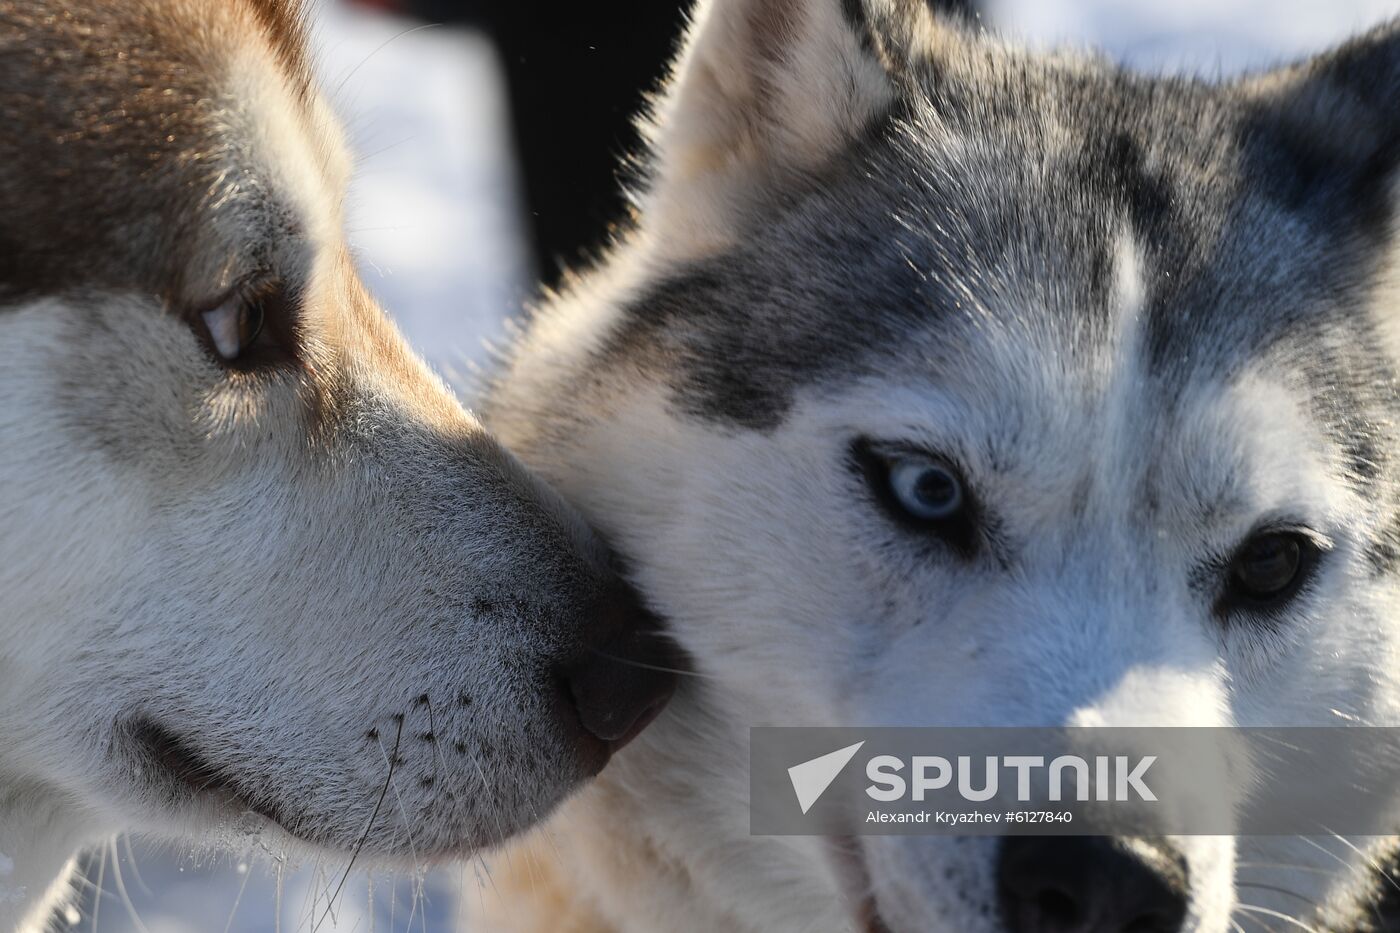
304	619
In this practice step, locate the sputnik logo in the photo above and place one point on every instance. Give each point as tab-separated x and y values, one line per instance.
811	778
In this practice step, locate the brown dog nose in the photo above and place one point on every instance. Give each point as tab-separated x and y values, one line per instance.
623	676
1090	884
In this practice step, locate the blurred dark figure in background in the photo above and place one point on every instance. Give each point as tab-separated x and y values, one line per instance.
577	74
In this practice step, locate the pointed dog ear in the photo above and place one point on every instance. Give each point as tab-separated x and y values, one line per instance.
764	90
1330	127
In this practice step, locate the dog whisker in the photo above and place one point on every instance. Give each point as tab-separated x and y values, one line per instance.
1370	862
369	827
101	880
277	897
377	49
398	800
1277	915
433	731
485	784
135	869
237	900
1287	866
650	667
122	894
1277	890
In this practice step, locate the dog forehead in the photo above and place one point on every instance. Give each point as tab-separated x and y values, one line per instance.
999	238
155	145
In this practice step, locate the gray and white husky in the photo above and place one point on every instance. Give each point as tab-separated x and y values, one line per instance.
942	382
257	566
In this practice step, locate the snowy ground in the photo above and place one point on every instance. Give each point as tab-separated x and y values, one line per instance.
432	215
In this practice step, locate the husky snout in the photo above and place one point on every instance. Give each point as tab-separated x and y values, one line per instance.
1091	884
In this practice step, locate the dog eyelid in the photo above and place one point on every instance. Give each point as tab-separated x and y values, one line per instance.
1322	542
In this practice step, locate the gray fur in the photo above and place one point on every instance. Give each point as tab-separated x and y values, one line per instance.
1010	175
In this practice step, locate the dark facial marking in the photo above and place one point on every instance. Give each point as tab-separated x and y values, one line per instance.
1383	551
1112	167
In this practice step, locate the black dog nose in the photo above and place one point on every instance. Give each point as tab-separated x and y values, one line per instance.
1090	884
625	672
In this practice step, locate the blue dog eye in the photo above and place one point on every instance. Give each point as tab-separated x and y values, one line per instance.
926	489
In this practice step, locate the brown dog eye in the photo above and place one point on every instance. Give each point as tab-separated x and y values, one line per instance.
251	328
1269	566
234	325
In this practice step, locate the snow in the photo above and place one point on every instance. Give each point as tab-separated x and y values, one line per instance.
431	214
432	217
1206	36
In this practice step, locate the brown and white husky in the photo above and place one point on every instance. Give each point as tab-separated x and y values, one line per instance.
257	565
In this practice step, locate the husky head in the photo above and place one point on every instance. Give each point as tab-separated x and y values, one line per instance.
945	383
255	558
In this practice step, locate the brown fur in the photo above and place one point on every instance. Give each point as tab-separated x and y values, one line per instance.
113	156
122	173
